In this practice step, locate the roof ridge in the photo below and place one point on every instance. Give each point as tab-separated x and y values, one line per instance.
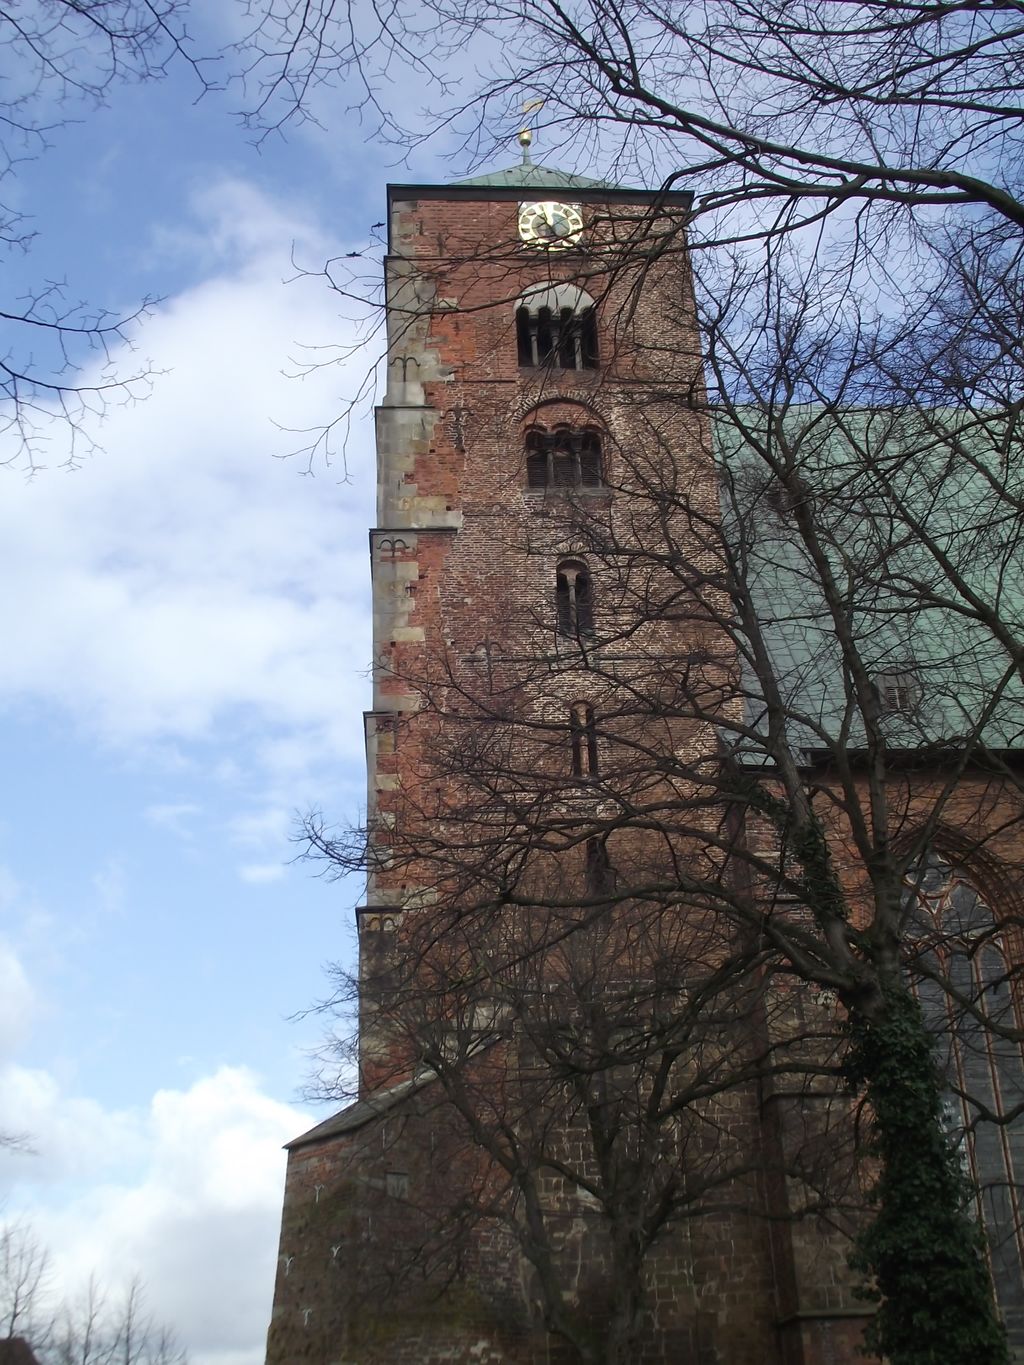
530	174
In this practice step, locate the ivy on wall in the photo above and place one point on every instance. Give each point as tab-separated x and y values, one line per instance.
923	1250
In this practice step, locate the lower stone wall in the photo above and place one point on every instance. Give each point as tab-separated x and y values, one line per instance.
384	1257
825	1340
377	1262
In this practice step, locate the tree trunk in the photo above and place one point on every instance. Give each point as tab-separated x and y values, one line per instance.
923	1251
627	1298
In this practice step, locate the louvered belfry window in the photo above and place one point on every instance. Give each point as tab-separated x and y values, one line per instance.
563	458
563	338
899	689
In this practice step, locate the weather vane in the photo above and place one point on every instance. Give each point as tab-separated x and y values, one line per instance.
526	134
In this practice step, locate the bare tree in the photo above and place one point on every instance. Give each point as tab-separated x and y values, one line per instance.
841	731
99	1330
587	1090
800	109
24	1272
845	728
94	1329
883	141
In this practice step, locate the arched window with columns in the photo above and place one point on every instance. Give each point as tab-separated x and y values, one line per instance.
556	327
565	458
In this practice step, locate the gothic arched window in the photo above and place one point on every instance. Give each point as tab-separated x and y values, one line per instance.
557	327
574	599
955	939
564	458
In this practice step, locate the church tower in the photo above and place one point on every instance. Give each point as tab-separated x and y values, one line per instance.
543	365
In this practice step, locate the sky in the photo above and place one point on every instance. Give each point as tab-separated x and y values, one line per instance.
183	667
184	653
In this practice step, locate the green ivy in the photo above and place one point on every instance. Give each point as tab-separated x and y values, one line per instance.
923	1251
820	884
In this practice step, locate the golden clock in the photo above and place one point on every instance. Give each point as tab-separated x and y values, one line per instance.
550	225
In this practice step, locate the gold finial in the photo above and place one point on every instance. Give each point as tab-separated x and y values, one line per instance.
526	134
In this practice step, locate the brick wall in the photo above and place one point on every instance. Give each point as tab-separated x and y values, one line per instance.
401	1240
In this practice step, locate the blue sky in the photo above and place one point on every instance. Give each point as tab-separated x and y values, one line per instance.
185	643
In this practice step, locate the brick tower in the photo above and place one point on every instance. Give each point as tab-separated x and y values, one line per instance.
535	320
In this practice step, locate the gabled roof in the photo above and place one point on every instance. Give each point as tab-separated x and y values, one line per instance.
527	180
528	175
379	1102
360	1113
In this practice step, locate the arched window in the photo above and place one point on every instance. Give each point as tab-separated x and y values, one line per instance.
557	327
563	458
574	600
583	739
954	936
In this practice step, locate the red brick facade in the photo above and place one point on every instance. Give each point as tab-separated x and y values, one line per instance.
464	563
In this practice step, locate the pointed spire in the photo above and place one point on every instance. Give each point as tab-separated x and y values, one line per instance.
528	174
526	135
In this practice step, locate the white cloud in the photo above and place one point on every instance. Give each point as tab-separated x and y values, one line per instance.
70	1137
256	873
174	816
239	225
266	830
191	601
186	584
17	1003
188	1198
183	1192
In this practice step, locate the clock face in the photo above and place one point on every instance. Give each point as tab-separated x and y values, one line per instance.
550	225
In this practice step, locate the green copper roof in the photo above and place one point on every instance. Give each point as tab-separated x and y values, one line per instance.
874	477
527	175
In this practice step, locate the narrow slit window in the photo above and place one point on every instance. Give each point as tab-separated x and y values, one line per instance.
564	603
590	460
570	351
526	337
564	465
537	473
583	740
600	875
546	334
574	600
